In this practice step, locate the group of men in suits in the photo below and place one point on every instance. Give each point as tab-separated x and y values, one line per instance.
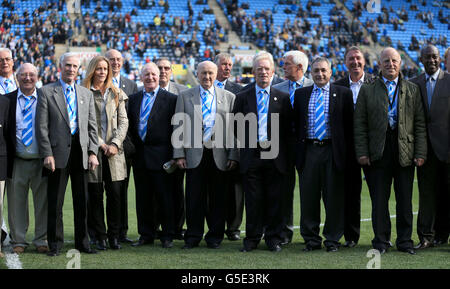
384	125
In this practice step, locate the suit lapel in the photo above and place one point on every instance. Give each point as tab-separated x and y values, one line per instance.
136	111
196	101
58	95
439	83
306	102
156	107
332	99
81	105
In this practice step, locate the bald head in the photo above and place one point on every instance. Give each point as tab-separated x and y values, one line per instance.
430	58
115	58
206	73
390	62
27	76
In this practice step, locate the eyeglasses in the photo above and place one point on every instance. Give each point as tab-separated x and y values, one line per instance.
167	68
8	59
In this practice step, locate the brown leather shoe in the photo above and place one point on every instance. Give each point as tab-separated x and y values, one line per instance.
424	245
42	249
2	255
18	250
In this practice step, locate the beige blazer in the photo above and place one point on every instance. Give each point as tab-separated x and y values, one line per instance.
116	131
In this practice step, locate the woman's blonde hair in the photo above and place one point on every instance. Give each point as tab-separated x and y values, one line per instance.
108	81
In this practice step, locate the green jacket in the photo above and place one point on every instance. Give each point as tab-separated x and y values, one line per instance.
371	121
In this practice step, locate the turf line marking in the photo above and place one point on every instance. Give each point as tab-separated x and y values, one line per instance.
12	259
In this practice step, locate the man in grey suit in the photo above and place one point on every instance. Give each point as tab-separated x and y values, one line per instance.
432	221
200	120
68	143
129	87
295	64
165	82
235	195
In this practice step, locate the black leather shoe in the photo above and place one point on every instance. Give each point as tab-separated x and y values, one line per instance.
424	245
245	249
179	235
350	244
213	245
310	248
167	244
439	242
286	240
275	248
233	237
188	246
407	250
332	249
142	242
125	240
87	250
381	250
114	244
101	245
53	253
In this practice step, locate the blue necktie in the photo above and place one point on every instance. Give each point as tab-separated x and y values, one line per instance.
27	132
292	92
430	90
8	85
319	121
149	99
115	82
208	121
262	115
71	108
220	84
392	106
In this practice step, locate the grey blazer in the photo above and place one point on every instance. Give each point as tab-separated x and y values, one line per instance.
128	86
53	133
284	86
176	88
189	103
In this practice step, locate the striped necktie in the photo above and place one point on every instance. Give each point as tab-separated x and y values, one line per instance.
319	114
27	132
71	108
149	99
262	115
220	84
392	107
115	82
292	92
8	85
208	121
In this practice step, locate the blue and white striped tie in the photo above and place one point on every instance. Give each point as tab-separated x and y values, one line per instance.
392	108
27	132
71	108
115	82
207	115
262	115
319	122
220	84
149	99
8	85
292	92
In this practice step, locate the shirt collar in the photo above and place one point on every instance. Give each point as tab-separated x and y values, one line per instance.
435	75
395	80
20	93
65	85
360	81
155	91
223	82
258	89
210	90
117	78
2	79
326	87
298	82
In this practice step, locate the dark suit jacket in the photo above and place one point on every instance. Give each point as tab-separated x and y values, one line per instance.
340	122
438	115
4	138
12	96
157	148
128	86
233	87
279	102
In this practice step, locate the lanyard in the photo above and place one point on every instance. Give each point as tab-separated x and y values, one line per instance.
395	96
23	108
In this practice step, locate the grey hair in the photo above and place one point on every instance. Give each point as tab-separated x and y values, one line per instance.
352	48
219	57
263	55
321	59
22	66
4	49
298	57
67	55
203	63
152	64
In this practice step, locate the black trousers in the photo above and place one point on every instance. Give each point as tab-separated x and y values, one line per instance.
321	179
57	183
154	185
379	176
352	201
434	201
234	203
96	216
205	198
288	205
123	230
263	185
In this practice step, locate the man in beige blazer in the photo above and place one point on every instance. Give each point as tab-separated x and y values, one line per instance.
204	155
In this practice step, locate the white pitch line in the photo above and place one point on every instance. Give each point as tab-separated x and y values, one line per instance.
12	259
